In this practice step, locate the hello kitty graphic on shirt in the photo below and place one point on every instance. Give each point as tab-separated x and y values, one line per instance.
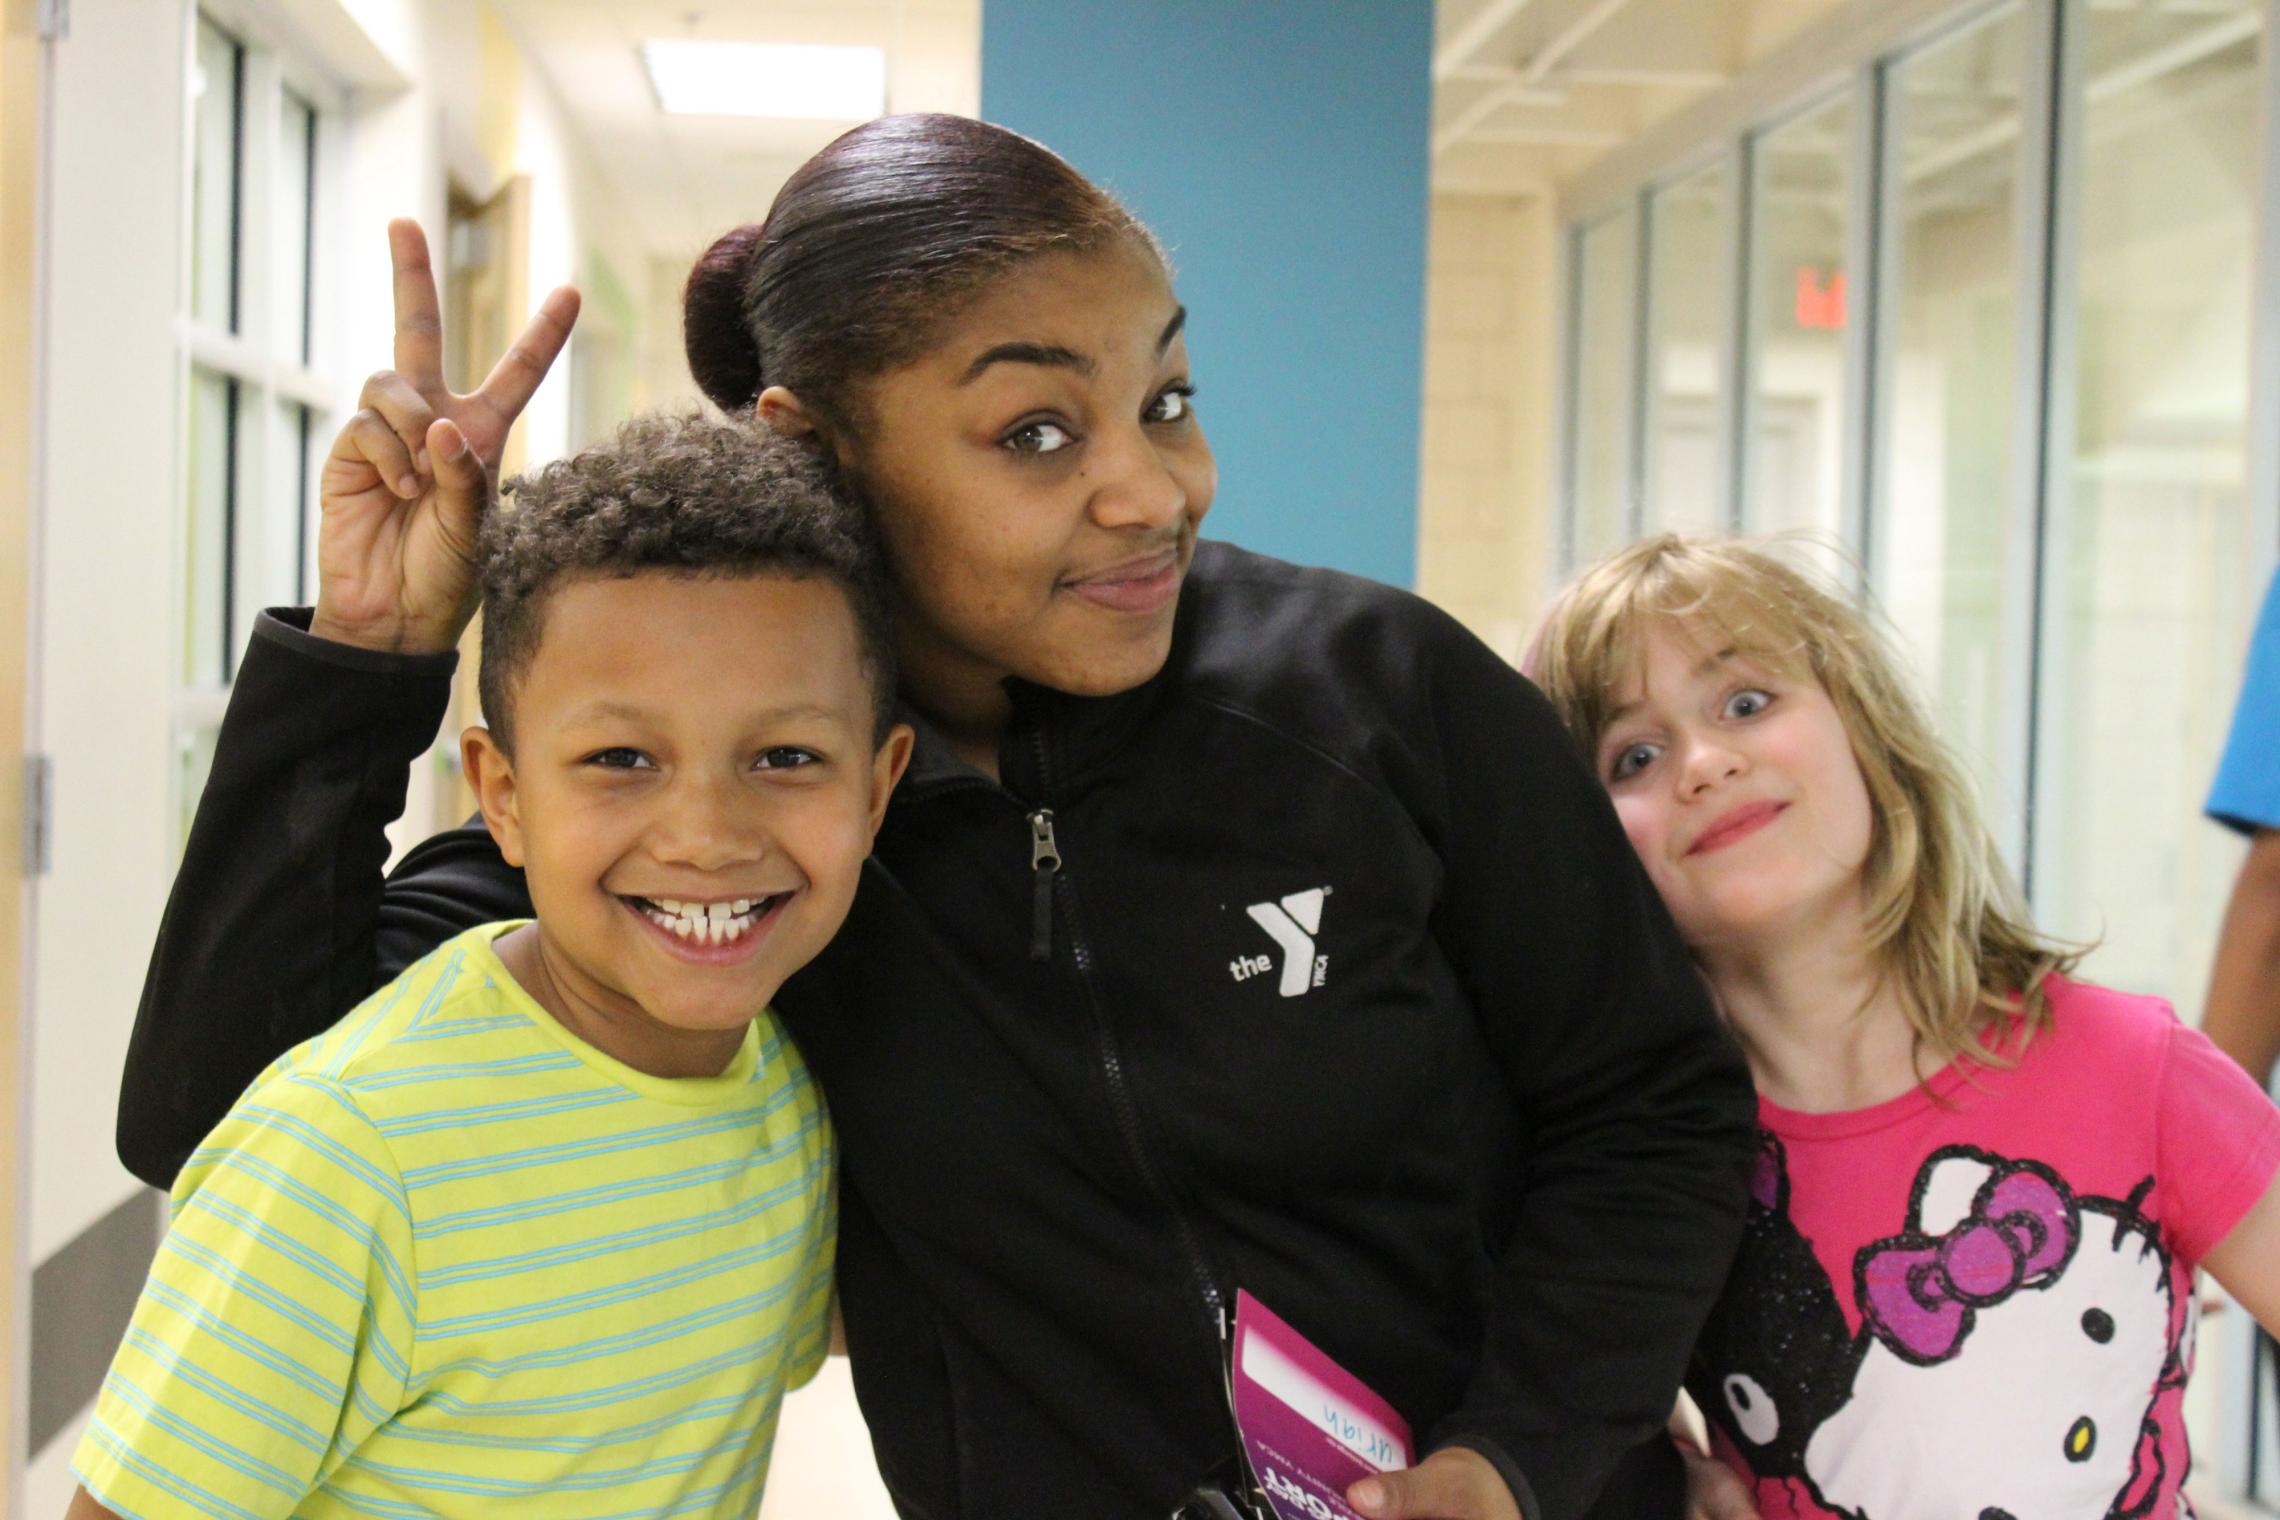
1974	1301
2013	1341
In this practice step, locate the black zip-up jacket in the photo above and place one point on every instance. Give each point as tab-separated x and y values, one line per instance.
1346	989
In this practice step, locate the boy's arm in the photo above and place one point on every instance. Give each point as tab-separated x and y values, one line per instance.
276	1331
84	1507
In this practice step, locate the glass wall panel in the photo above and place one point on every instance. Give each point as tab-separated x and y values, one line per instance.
2146	600
1688	256
216	78
1950	375
292	193
1801	216
213	428
1608	299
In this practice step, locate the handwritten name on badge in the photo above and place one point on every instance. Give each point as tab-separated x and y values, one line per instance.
1310	1428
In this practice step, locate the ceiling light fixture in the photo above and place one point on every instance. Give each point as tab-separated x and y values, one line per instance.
767	79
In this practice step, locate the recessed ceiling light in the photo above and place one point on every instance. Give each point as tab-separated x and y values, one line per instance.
767	79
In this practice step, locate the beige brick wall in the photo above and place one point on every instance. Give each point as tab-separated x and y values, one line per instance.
1484	516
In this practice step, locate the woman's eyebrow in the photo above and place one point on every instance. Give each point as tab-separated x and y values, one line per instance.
1051	355
1056	356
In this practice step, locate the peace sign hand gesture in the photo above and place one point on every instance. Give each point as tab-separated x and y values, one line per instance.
410	475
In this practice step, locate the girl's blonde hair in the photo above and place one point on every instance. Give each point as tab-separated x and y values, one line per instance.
1944	918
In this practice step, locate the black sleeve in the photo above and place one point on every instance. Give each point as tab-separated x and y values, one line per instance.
1635	1101
279	920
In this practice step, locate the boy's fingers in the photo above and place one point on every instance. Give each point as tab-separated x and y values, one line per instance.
389	395
513	380
368	439
419	319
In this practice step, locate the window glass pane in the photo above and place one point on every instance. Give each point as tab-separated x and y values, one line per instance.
290	195
213	427
2146	602
1602	471
1801	211
1689	257
214	85
1952	374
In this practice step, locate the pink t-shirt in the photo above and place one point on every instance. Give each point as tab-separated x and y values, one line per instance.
1976	1301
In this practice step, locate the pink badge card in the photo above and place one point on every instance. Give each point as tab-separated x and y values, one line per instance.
1310	1428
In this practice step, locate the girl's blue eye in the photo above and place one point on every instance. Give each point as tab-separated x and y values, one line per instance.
618	758
1748	704
1630	760
1037	438
786	757
1172	404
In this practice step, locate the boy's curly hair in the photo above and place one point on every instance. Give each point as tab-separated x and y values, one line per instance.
685	494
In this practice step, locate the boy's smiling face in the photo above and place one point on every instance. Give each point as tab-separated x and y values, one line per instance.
693	792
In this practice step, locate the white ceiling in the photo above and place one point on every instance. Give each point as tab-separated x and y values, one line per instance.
1528	93
687	179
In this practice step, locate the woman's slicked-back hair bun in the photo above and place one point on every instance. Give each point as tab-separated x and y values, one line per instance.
871	247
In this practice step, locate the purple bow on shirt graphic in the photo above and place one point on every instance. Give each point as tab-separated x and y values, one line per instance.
1918	1292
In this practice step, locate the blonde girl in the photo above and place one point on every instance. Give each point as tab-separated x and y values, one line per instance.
1982	1188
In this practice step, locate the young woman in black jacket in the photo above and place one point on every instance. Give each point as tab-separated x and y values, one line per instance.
1236	925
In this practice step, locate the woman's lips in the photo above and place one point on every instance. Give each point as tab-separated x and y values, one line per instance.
1140	586
1730	828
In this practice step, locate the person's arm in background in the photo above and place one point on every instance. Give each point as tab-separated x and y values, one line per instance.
2242	1016
282	871
1639	1108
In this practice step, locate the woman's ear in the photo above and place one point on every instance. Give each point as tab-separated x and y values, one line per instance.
786	413
490	774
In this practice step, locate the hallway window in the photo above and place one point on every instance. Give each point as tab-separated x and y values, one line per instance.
258	406
1950	373
1689	268
1800	310
1607	299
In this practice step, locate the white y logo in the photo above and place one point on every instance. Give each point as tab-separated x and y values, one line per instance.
1293	923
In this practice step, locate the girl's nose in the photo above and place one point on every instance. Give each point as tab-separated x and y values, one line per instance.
1708	764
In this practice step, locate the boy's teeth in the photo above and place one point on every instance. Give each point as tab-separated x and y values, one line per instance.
705	923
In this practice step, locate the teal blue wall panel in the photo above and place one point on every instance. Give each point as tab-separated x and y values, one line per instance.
1280	148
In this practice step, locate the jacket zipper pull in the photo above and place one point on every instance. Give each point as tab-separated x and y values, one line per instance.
1044	860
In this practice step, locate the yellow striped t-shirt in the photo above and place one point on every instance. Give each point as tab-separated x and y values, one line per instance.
447	1259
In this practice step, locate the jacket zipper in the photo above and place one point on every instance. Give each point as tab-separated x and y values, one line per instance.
1044	862
1044	849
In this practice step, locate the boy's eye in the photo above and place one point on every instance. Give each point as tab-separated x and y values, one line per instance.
786	757
1748	704
1172	404
1630	760
1038	438
618	758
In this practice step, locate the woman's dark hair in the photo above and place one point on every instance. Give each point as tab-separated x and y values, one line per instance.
871	247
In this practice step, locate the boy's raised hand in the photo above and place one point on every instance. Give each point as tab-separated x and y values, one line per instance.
410	475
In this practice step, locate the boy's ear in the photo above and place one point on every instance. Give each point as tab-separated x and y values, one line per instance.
887	767
491	773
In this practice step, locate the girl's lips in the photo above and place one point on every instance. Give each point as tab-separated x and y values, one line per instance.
1732	827
727	952
1145	585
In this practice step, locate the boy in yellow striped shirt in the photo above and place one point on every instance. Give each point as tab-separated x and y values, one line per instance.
545	1225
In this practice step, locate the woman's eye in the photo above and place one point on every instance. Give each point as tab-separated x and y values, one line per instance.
1748	704
618	758
1173	405
1630	760
786	757
1038	438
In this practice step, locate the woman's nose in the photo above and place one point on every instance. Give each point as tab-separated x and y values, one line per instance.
1135	488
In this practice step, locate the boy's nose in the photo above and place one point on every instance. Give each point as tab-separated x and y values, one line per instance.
709	826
